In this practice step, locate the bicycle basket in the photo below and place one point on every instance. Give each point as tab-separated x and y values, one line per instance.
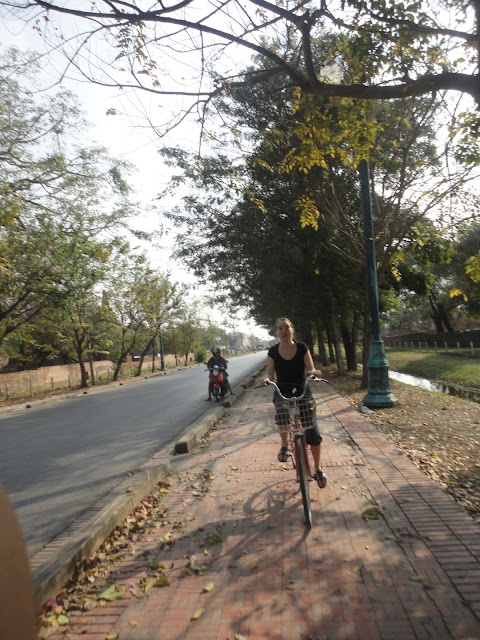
295	415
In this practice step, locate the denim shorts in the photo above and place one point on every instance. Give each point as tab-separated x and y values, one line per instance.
308	416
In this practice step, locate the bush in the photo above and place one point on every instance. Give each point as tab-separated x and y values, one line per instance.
200	354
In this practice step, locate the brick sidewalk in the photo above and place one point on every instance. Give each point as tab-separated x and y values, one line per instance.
413	573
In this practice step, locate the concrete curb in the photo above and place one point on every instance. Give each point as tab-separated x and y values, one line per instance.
53	574
198	429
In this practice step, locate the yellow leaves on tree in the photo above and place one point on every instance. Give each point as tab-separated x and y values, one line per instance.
338	130
472	268
309	213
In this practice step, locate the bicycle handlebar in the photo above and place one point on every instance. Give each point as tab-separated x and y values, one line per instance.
312	378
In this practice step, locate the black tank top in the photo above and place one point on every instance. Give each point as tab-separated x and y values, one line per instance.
290	373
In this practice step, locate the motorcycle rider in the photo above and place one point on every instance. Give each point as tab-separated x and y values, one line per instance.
219	360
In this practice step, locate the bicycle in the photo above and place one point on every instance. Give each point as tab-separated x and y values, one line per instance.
301	416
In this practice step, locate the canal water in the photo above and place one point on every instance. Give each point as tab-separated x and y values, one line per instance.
434	385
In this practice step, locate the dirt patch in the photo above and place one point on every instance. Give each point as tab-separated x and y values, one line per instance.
439	433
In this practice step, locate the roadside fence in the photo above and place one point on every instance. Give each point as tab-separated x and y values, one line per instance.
46	380
435	346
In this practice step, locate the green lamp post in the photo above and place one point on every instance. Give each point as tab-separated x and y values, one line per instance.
379	394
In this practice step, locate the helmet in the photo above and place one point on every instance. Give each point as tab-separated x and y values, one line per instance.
215	350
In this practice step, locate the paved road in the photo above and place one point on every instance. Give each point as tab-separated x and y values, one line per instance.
57	460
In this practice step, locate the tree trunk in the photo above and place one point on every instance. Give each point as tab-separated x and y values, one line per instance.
444	317
350	344
322	352
90	360
308	336
144	353
116	373
330	343
337	346
123	353
78	344
435	314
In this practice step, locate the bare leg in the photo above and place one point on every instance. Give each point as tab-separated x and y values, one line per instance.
319	476
315	449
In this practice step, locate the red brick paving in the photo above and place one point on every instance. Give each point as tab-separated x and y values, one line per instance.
412	574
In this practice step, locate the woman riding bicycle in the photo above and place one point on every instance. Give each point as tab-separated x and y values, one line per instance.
290	360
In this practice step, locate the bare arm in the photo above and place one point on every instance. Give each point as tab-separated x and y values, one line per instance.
270	368
309	366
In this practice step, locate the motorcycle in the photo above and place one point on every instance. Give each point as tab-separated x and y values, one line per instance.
217	382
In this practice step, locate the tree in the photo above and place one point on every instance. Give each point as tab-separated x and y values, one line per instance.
431	280
465	289
264	261
400	49
162	305
187	331
376	51
61	207
299	164
126	299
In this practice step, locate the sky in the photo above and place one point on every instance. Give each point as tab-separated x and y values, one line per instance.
130	139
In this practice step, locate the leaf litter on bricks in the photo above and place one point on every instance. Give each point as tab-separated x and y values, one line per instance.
93	585
442	440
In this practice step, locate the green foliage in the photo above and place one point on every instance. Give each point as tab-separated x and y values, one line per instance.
472	267
200	355
466	270
63	212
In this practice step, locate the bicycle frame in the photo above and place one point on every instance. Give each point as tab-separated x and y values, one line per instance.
296	436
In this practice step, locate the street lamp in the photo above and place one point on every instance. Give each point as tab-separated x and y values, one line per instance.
379	394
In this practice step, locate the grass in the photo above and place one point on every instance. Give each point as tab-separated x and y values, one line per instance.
451	368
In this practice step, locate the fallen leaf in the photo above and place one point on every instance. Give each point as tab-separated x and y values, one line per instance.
110	593
149	585
214	538
89	604
198	613
208	587
162	581
371	514
62	620
418	578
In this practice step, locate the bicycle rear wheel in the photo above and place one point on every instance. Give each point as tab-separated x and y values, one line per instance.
300	453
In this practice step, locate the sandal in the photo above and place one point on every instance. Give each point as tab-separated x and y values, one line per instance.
320	478
282	454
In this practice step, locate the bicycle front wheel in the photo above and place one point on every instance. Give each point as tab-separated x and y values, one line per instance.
300	455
